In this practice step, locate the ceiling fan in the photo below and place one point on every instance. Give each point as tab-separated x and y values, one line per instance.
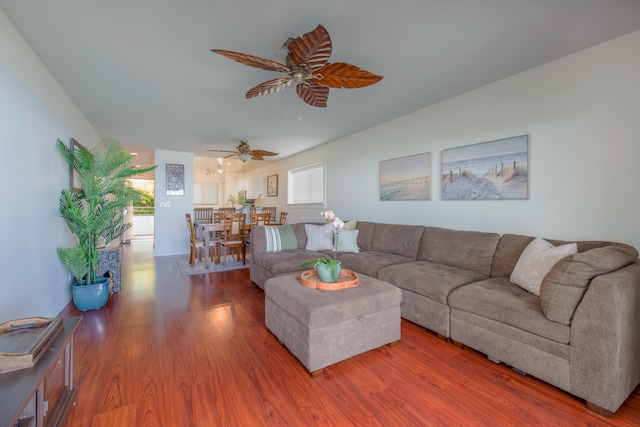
307	65
245	153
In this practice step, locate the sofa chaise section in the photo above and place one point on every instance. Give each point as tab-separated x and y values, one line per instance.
580	334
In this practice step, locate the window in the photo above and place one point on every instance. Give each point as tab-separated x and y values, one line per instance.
306	184
205	194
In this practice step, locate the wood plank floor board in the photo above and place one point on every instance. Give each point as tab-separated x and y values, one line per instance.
172	350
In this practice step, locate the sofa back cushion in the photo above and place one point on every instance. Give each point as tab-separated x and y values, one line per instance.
509	249
365	234
397	239
563	287
470	250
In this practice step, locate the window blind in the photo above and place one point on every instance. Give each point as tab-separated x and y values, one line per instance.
306	184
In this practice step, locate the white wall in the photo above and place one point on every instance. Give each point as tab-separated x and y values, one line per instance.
170	226
582	114
34	112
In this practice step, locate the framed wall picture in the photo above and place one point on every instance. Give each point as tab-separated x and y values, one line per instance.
406	178
491	170
272	185
175	180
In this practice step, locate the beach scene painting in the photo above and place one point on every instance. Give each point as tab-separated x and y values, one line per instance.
406	178
489	170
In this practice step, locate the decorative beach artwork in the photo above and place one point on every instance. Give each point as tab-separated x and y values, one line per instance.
489	170
406	178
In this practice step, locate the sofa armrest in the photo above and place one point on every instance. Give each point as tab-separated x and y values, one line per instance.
605	339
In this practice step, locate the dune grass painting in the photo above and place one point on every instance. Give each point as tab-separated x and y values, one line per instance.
489	170
406	178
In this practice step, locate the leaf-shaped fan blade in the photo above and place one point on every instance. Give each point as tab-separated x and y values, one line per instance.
270	86
259	154
223	151
343	75
312	49
313	94
253	61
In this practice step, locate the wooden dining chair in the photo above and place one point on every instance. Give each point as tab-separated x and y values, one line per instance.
198	244
283	218
233	237
227	210
202	215
260	219
271	210
218	218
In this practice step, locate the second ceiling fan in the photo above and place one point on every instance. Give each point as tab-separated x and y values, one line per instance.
245	153
307	65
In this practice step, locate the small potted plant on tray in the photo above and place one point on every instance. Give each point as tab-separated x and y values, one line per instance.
328	269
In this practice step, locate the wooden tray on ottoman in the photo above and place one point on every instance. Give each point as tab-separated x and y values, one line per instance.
347	279
24	341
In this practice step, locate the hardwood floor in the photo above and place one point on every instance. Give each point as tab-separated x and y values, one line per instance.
172	350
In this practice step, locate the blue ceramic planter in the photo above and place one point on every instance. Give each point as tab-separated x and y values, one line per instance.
91	297
324	272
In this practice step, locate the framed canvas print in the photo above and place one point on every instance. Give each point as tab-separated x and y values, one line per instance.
491	170
272	185
175	180
406	178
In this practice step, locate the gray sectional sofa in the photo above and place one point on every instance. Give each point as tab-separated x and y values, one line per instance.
581	334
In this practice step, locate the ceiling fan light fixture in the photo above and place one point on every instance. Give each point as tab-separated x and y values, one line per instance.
245	157
299	76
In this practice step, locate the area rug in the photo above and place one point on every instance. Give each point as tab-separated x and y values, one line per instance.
198	267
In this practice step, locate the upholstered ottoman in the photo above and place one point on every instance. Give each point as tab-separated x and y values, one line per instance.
321	328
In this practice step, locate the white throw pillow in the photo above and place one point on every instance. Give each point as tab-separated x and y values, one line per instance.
536	261
319	237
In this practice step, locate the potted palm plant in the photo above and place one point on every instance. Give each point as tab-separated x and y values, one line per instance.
94	213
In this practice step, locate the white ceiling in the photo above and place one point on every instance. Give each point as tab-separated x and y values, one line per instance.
142	71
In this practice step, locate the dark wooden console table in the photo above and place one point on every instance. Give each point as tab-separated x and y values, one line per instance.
42	395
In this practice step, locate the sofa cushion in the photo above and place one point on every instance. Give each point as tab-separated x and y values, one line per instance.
432	280
470	250
508	251
346	241
536	261
280	238
562	289
284	261
398	239
319	237
365	234
500	300
369	262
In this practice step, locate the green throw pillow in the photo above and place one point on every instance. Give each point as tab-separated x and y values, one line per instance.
280	238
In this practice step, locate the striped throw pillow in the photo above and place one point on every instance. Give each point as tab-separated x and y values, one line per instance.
280	238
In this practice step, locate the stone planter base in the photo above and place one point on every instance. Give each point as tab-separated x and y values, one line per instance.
110	261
